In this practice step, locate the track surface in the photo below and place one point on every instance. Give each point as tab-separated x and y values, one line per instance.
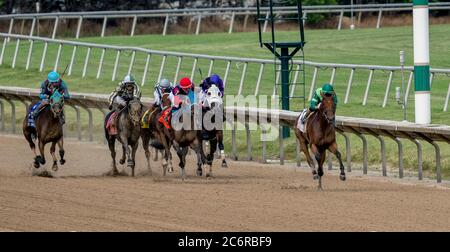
244	197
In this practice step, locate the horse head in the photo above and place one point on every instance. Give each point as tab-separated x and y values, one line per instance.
57	104
165	100
135	108
327	107
213	98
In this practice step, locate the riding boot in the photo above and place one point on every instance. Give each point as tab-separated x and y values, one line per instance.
306	116
62	118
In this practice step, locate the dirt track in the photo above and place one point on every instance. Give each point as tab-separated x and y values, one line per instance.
244	197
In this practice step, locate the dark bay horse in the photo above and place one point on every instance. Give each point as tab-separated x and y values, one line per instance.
212	132
155	133
48	130
183	134
128	133
320	136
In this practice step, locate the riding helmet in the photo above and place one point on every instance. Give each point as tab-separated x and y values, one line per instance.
164	83
327	89
129	79
185	83
215	79
53	77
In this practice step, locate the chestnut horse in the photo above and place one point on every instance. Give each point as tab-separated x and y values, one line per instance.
320	136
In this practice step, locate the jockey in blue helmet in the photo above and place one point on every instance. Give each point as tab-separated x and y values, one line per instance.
48	87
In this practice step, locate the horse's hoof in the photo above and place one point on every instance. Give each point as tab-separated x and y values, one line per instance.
209	175
42	161
36	165
342	177
224	164
199	173
62	161
170	170
130	164
55	167
122	161
316	176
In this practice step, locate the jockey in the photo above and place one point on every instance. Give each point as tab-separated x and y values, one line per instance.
163	87
125	91
186	87
207	83
326	89
48	87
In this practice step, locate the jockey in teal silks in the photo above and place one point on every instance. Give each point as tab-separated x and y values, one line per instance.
48	87
326	89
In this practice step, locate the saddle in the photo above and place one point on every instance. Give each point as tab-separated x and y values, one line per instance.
300	125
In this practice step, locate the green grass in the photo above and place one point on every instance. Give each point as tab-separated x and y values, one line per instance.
362	46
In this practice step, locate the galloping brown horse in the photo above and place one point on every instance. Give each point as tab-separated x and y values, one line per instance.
320	136
48	130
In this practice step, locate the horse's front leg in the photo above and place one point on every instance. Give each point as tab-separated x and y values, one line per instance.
210	157
41	158
55	160
62	161
317	155
334	149
133	158
112	149
320	161
221	148
181	152
145	144
124	157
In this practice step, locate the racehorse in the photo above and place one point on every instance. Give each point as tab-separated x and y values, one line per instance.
182	137
212	131
320	136
48	130
128	133
155	133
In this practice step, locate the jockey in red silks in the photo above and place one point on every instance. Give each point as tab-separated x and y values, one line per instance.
186	87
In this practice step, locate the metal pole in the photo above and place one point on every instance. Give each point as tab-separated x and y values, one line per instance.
130	67
5	41
285	57
233	141
230	30
340	20
249	142
2	111
388	86
227	70
30	51
72	59
447	98
100	64
194	67
264	144
166	23
379	18
44	53
313	82
80	21
211	65
281	145
147	63
241	85
58	55
161	69
116	65
369	81
197	30
13	116
333	74
258	82
105	20
349	85
33	24
86	61
55	27
16	51
133	27
177	72
11	25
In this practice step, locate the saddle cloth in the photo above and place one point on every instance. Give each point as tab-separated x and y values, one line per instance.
111	124
302	126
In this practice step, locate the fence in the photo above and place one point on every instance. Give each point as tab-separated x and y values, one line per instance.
198	14
361	127
244	85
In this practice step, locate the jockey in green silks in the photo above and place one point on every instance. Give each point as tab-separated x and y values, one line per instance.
326	89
